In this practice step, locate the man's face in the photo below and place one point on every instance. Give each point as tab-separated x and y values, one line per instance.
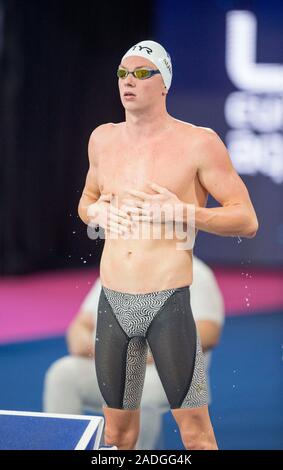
145	92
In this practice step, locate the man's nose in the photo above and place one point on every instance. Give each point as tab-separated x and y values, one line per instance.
130	79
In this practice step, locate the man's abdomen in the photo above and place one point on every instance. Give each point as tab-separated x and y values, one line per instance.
139	266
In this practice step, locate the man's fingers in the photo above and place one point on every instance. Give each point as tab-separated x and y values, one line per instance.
91	211
118	212
156	187
142	218
115	218
117	228
131	203
128	201
106	197
134	210
140	194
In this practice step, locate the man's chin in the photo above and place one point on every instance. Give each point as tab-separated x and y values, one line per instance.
132	106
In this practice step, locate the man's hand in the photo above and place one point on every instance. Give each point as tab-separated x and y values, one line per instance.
164	206
106	214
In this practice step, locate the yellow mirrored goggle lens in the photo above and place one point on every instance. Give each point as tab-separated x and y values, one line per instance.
121	73
140	73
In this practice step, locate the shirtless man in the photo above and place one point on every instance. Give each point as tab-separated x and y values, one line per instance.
154	159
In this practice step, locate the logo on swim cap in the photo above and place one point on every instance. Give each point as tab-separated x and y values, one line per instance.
148	50
168	64
157	55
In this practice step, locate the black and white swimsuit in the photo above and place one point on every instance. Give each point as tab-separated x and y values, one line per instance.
127	324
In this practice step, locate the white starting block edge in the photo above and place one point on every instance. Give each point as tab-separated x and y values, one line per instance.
96	422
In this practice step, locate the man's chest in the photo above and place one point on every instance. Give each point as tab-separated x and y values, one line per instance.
123	168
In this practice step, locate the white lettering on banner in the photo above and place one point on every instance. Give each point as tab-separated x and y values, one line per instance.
241	64
252	153
262	113
255	113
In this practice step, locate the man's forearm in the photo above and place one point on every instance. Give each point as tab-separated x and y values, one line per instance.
209	332
80	342
233	221
83	212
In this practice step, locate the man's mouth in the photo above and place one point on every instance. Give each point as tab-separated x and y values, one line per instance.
129	93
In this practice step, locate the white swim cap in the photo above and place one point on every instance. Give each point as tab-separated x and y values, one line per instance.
154	52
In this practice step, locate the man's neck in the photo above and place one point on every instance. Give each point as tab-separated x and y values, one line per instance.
145	126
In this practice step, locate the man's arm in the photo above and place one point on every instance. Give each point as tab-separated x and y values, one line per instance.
80	335
209	332
217	175
91	192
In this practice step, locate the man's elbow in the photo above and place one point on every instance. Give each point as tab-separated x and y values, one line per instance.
82	213
210	332
252	228
80	210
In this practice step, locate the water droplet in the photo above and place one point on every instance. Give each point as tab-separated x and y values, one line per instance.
234	386
74	232
239	240
110	326
84	261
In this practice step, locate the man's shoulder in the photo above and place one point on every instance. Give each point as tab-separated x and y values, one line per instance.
105	130
206	142
196	134
203	133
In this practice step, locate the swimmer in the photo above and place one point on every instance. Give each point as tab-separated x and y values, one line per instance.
152	160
